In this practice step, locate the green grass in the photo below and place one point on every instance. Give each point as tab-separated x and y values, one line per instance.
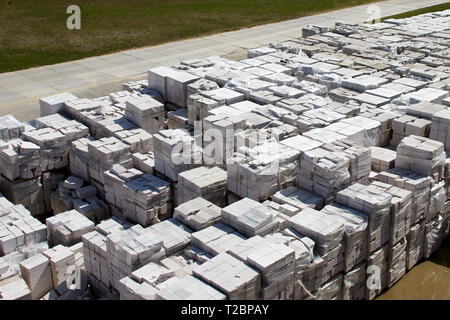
439	7
34	33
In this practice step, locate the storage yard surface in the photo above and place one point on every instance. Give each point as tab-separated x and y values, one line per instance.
315	168
96	76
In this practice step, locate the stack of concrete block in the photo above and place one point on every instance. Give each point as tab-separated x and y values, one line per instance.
401	206
10	128
72	129
272	166
359	158
362	130
20	160
61	260
331	290
175	151
414	244
396	262
177	119
144	162
26	192
421	155
50	182
171	84
382	159
354	285
67	228
74	193
216	239
139	197
199	107
298	198
355	233
55	103
438	197
325	230
418	184
197	213
230	276
208	183
386	119
145	282
377	272
189	288
376	204
95	250
37	273
103	154
53	147
79	158
15	290
276	266
249	217
130	249
433	236
323	173
440	127
19	229
409	125
146	113
201	84
175	235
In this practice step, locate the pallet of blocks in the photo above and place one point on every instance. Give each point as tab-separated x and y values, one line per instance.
418	184
20	159
272	166
298	198
230	276
95	252
144	162
382	159
62	259
216	239
74	193
55	103
422	155
208	183
325	230
37	273
175	235
377	272
141	198
401	206
67	228
197	214
355	234
189	288
71	129
249	217
354	284
103	154
145	282
145	112
175	151
10	128
53	147
18	229
130	249
79	158
374	203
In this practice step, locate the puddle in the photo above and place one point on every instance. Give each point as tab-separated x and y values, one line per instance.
428	280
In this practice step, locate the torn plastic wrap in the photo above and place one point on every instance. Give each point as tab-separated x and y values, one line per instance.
432	236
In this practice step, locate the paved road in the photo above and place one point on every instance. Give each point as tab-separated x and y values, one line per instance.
96	76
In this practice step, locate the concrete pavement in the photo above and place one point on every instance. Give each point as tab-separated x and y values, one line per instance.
96	76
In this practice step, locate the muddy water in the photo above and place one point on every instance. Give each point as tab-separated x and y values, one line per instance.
428	280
